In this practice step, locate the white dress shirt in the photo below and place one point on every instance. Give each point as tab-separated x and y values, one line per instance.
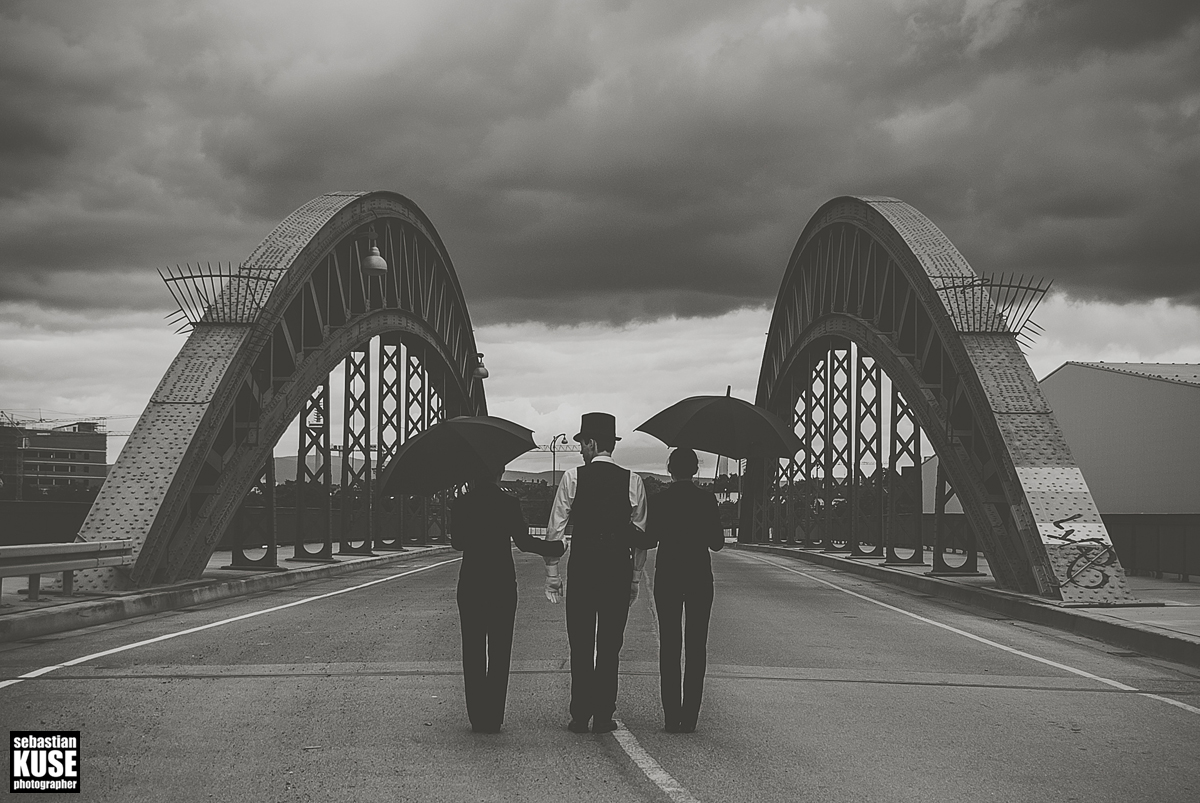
560	511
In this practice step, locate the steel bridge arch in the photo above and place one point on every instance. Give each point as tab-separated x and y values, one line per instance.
875	272
299	305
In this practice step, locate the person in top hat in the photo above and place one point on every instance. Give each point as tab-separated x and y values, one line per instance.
606	507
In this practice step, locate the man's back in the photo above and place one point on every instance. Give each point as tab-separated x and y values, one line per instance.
601	507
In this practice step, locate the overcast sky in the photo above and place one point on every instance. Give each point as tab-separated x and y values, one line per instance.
619	183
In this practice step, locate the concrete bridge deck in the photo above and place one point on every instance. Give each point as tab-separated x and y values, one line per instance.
822	685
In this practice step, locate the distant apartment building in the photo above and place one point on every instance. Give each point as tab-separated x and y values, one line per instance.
34	460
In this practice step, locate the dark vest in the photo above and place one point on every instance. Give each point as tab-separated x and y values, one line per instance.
601	506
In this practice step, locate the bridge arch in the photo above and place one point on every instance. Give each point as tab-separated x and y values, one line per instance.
260	353
877	302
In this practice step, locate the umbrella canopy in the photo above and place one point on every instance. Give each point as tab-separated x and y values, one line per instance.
723	425
452	452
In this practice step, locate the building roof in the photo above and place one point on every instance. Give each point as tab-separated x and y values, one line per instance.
1181	373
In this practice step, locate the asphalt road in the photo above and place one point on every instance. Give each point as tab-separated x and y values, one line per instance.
822	686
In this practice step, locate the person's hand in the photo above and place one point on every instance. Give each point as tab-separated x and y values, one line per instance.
554	584
634	587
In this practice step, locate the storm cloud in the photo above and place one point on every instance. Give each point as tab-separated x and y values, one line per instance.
599	161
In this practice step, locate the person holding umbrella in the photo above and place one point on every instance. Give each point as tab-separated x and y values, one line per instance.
606	506
486	522
684	522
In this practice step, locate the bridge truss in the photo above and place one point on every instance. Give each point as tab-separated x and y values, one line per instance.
199	467
886	348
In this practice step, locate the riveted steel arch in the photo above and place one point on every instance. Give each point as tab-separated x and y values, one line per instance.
299	305
874	276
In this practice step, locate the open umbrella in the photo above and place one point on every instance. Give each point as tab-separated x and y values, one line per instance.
723	425
452	452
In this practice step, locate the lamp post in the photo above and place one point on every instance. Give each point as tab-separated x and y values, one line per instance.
554	457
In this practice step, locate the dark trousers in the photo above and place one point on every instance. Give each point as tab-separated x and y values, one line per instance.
597	608
683	612
486	615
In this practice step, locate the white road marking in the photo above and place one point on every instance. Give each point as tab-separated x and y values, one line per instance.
166	637
653	770
1082	673
1169	701
645	762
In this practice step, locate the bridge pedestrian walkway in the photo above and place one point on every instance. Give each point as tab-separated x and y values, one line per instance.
55	613
1167	625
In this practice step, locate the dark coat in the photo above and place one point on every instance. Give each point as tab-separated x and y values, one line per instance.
685	523
486	521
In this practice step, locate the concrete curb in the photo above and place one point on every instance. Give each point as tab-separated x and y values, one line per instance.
1128	635
85	613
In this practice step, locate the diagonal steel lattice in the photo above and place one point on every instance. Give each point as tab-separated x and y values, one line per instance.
996	303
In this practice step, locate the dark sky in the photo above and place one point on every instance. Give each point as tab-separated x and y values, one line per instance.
599	160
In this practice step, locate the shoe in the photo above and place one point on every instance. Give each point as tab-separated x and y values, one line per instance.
604	726
672	727
488	728
687	727
578	726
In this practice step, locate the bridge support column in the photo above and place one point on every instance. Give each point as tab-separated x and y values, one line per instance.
941	539
390	426
807	493
356	513
904	485
866	491
260	530
839	443
314	480
818	410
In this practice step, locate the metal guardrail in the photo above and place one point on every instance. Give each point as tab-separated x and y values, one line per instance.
34	560
1156	543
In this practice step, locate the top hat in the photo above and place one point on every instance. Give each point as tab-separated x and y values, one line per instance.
597	425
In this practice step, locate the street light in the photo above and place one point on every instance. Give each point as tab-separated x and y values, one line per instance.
553	457
481	371
373	264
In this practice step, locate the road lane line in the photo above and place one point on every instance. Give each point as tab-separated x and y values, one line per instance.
1082	673
629	743
1169	701
652	769
167	636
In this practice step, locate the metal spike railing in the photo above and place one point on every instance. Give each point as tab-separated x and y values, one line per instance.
1002	304
221	295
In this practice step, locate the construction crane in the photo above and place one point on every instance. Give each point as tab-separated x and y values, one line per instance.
28	418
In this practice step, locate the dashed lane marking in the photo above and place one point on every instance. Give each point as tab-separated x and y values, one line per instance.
652	769
645	762
168	636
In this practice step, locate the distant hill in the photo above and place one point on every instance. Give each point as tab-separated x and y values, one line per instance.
546	476
529	476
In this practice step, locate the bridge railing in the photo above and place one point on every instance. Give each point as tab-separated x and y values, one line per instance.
1156	543
34	560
